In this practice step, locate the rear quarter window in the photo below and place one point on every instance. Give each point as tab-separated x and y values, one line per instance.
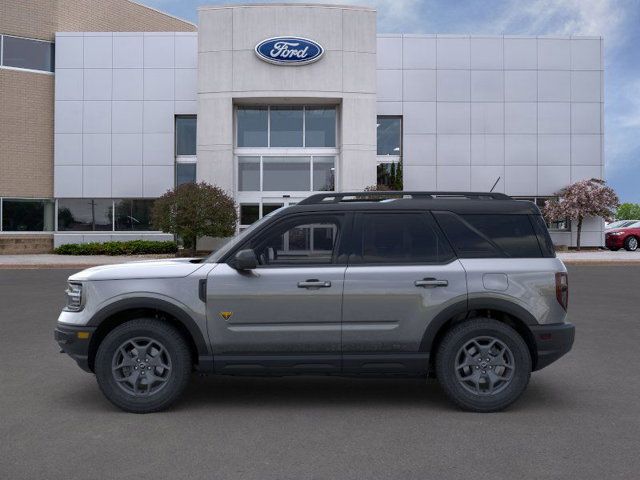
490	235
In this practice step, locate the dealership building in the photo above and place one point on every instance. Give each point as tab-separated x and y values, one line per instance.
106	107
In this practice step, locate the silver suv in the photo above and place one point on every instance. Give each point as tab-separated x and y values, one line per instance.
465	287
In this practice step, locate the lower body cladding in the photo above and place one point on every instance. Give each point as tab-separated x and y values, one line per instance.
551	343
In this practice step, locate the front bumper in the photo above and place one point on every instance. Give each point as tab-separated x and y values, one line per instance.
552	342
614	241
74	341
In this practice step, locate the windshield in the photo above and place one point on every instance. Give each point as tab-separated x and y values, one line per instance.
622	224
232	242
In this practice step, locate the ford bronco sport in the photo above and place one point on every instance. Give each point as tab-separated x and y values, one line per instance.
465	287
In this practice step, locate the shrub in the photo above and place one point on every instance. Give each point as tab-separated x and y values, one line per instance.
133	247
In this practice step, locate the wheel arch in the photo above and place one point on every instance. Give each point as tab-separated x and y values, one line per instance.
121	311
504	311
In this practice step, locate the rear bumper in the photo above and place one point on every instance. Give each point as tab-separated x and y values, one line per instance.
552	342
73	344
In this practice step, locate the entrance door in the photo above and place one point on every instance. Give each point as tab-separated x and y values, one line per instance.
286	312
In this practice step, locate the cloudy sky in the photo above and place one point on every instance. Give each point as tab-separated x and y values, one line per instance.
618	21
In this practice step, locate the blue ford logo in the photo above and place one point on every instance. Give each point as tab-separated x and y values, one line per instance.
289	50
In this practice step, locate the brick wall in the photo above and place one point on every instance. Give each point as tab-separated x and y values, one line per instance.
26	115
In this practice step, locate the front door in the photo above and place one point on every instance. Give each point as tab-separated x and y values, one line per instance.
287	312
402	273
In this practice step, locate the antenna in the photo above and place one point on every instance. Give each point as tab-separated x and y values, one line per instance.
494	185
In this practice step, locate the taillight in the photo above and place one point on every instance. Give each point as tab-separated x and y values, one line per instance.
562	289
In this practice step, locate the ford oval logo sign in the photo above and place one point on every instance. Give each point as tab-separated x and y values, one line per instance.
289	50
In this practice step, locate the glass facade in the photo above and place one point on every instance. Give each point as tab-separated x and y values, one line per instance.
253	126
286	127
185	173
27	215
85	214
133	215
286	173
389	135
26	53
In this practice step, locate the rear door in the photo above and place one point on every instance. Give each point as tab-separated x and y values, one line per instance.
402	273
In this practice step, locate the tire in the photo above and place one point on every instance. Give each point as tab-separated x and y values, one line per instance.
468	387
140	350
631	243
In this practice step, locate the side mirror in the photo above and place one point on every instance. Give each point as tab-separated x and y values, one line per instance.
245	260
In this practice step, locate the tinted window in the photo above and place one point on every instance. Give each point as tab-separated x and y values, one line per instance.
544	239
467	241
513	234
320	127
25	53
304	241
186	127
85	214
399	238
185	173
21	215
133	215
252	126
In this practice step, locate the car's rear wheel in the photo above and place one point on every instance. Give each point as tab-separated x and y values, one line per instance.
631	244
143	365
483	365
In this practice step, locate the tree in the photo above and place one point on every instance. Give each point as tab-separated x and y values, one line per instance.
628	211
194	210
586	198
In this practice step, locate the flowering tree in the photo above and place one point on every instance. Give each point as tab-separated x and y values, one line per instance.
586	198
194	210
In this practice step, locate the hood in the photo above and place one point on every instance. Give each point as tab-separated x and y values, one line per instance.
167	268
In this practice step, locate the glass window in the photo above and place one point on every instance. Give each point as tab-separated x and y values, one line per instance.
400	238
186	130
268	208
252	126
303	241
513	234
85	214
133	214
248	174
249	214
324	174
185	173
389	132
26	215
286	173
286	127
320	127
466	240
562	225
26	53
544	239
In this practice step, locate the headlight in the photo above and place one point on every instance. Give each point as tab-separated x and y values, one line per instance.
616	233
74	297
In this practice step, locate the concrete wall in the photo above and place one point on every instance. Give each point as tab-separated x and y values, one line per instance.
117	95
229	72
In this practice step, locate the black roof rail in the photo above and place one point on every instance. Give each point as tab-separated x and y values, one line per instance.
335	197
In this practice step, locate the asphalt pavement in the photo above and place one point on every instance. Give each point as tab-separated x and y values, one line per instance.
579	419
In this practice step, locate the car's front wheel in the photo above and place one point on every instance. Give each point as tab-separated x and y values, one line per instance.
143	365
483	365
631	244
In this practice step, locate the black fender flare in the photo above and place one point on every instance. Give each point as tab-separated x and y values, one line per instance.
202	346
464	307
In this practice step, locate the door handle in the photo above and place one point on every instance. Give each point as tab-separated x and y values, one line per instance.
431	283
314	283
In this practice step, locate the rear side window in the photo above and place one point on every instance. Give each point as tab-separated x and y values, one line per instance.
514	234
398	238
465	239
488	235
544	239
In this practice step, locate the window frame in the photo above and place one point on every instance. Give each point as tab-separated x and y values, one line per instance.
21	69
357	232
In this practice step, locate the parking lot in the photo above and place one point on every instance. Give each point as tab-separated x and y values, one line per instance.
580	418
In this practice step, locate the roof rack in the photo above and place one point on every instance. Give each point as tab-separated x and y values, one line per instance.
373	196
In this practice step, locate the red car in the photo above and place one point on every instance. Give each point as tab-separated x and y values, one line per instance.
627	237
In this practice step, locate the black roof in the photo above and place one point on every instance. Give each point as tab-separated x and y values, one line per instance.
457	202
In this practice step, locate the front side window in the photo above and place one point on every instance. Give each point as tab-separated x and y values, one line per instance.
133	215
85	214
399	238
302	241
28	54
27	215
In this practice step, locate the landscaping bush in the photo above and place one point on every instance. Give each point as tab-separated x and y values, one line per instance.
133	247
